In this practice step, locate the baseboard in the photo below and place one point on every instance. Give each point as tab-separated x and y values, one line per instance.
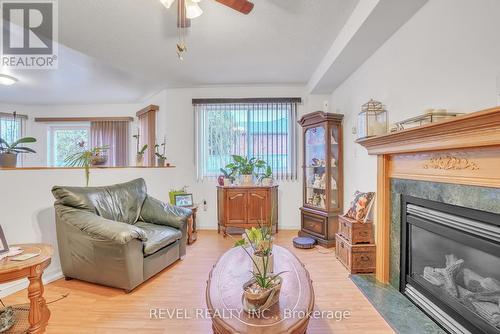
13	287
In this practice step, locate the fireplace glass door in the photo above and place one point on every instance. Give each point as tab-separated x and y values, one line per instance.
453	262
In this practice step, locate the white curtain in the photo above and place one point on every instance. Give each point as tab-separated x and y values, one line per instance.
115	135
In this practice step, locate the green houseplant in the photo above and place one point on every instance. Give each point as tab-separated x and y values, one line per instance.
139	157
247	168
262	291
9	152
229	174
161	158
266	178
85	159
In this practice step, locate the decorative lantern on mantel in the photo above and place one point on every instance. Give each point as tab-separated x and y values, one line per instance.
372	120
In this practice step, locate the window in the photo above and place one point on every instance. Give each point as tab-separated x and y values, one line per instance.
261	128
11	127
65	140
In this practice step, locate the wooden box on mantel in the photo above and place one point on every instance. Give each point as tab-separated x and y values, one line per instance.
355	232
358	259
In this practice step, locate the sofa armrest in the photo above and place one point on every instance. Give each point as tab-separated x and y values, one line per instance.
155	212
99	227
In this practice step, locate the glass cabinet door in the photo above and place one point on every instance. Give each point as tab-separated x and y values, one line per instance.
334	167
315	182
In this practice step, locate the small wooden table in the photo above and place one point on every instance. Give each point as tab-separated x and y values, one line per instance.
192	233
224	291
32	269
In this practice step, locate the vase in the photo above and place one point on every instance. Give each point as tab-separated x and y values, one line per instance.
259	261
160	162
247	180
267	182
255	301
8	160
220	180
227	182
139	160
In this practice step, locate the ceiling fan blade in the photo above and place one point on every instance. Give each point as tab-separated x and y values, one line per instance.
242	6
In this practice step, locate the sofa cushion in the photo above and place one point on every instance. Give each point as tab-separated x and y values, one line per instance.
159	236
119	202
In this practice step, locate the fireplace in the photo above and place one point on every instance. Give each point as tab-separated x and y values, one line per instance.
450	264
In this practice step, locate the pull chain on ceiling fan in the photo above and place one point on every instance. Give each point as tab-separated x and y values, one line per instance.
190	9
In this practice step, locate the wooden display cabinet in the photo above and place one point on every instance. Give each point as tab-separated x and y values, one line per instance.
246	207
323	176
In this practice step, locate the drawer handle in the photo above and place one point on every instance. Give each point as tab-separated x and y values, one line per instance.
344	224
342	244
365	258
364	233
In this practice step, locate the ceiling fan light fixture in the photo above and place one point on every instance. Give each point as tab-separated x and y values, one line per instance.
192	9
167	3
7	80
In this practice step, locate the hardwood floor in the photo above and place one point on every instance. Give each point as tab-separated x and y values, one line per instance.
92	308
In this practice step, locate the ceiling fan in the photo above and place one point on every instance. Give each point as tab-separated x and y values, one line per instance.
190	9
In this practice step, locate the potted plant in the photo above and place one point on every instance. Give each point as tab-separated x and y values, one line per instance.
228	174
246	168
266	178
262	291
139	158
9	152
85	159
161	158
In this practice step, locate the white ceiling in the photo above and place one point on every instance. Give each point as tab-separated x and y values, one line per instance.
124	50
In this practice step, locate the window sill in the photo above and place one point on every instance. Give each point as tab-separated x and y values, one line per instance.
95	167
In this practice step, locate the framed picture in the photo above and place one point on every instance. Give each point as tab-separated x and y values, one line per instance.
183	199
4	247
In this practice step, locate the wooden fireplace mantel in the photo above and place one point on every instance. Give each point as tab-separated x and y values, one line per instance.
464	150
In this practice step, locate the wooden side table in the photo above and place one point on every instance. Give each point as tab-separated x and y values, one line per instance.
32	269
192	233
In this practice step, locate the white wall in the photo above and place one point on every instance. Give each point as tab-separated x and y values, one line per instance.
447	56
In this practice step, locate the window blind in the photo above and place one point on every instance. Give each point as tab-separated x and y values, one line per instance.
262	128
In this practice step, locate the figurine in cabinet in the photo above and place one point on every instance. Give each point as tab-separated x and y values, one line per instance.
334	184
317	181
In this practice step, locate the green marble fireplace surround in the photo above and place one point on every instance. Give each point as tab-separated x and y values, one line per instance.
480	198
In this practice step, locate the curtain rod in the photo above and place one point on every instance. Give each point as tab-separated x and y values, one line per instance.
7	114
249	100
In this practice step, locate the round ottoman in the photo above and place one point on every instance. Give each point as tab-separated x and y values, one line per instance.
304	242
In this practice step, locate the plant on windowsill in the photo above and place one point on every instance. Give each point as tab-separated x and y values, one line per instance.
139	157
9	152
247	168
161	158
262	291
86	159
266	178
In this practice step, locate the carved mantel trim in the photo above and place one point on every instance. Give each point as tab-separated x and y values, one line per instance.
464	150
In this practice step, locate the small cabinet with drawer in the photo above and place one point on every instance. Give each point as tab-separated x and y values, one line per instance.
355	232
358	259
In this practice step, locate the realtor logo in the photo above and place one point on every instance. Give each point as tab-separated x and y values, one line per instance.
29	34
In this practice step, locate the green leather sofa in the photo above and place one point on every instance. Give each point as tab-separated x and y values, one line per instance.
117	235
